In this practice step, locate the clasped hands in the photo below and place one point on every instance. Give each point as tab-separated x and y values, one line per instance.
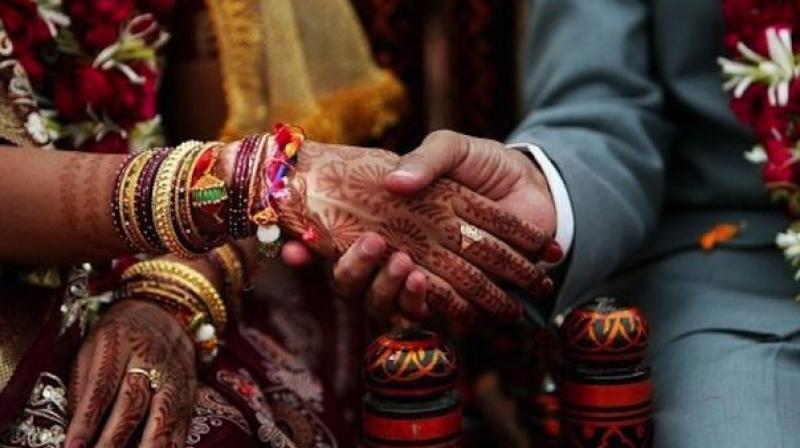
442	229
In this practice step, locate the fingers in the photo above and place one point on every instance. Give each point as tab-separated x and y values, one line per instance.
80	372
483	213
295	254
170	410
412	300
472	284
498	259
444	299
382	295
107	367
397	287
440	153
128	412
353	271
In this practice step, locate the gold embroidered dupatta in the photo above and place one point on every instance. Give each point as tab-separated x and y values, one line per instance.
305	62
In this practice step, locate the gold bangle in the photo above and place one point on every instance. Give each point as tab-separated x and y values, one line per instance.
257	172
163	211
176	294
233	275
127	202
182	204
195	281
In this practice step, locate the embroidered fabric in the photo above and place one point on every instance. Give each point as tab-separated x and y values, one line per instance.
43	421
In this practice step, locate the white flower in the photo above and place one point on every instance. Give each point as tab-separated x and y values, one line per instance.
756	155
789	242
131	46
777	71
34	124
51	13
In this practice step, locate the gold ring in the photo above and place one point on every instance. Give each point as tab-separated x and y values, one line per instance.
153	375
469	236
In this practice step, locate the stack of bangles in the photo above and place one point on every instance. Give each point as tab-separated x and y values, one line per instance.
188	296
162	194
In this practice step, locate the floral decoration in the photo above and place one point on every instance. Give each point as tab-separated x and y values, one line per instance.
94	68
762	75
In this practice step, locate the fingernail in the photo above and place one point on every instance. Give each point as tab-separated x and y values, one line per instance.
415	283
372	247
402	173
553	253
76	443
398	267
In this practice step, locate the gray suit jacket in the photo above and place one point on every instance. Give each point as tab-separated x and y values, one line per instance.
625	97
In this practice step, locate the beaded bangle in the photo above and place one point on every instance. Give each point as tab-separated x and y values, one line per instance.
193	280
144	200
177	302
283	148
128	200
183	221
116	208
229	260
239	225
163	206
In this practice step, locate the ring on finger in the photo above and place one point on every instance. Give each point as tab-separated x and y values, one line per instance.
469	236
154	376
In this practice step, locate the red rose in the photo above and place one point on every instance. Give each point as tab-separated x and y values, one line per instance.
133	102
746	20
778	173
17	15
773	122
29	35
33	67
111	143
112	12
97	23
100	36
80	88
778	167
749	107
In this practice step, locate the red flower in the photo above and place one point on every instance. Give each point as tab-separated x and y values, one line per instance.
79	88
133	102
97	23
778	168
747	19
100	36
28	33
749	107
111	143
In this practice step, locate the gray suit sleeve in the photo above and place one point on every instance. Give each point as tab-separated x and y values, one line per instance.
596	110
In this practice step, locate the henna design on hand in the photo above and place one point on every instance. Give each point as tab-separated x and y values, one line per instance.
108	373
134	400
137	334
405	236
504	225
345	194
68	185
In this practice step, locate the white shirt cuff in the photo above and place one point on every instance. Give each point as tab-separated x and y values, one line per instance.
565	220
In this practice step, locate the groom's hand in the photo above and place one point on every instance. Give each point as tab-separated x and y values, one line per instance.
504	176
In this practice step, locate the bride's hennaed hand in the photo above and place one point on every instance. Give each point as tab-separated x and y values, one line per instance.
345	199
110	402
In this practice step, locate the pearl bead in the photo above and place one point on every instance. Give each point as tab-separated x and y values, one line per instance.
268	234
205	332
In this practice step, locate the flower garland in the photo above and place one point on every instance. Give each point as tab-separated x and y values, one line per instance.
763	78
94	69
